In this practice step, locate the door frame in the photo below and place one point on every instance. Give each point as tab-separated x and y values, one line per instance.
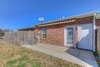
65	34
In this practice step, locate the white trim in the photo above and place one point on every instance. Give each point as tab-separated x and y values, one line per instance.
65	36
94	28
65	33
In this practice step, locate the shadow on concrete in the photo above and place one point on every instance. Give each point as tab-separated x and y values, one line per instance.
84	55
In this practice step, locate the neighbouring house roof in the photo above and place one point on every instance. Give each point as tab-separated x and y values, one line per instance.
26	29
69	19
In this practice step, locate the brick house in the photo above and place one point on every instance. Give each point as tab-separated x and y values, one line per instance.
76	31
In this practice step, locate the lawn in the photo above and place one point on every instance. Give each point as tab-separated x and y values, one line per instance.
99	64
97	58
15	56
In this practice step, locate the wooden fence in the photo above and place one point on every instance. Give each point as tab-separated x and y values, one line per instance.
21	37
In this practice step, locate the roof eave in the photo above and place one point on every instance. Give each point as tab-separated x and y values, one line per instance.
75	17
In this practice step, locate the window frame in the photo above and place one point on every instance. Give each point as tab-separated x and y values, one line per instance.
70	37
44	32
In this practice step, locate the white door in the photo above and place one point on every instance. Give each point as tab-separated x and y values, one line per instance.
69	36
85	36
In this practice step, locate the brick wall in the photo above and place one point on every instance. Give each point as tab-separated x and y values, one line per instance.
55	34
98	22
98	36
98	41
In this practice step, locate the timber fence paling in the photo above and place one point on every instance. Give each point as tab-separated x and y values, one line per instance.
21	37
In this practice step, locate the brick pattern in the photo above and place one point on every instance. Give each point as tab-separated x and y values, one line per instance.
55	36
98	22
85	20
56	32
98	41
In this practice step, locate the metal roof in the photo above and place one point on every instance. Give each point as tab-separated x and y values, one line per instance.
97	14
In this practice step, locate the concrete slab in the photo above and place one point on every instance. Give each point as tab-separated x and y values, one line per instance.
83	58
86	56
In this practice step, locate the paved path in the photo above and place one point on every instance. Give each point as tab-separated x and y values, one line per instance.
83	58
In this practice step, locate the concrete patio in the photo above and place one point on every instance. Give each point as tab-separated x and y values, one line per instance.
81	57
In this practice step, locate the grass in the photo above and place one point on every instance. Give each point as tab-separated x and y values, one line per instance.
98	64
15	56
97	57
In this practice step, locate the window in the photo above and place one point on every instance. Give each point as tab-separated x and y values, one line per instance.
69	35
44	32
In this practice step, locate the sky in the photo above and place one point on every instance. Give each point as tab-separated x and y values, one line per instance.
15	14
